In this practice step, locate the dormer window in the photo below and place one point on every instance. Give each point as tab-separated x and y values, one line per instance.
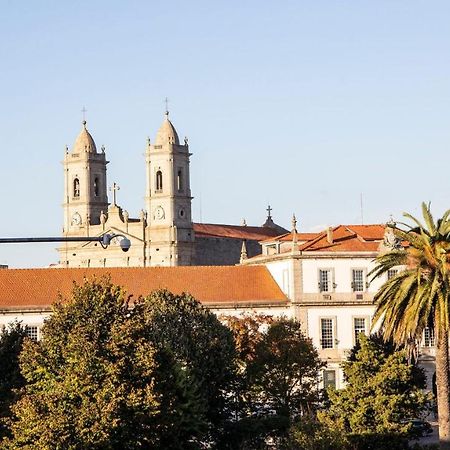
159	181
76	187
180	180
96	187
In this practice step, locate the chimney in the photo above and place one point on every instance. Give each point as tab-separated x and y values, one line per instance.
330	235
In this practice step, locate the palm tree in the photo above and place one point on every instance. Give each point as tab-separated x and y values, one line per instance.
418	296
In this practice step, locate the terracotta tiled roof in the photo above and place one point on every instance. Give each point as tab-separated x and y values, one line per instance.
233	231
348	238
368	232
38	288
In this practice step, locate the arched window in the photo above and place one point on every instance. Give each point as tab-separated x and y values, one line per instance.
76	187
96	186
159	180
180	180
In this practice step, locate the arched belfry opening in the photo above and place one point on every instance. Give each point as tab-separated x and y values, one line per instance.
76	187
159	181
96	187
180	180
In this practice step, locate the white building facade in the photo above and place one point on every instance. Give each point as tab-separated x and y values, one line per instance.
327	278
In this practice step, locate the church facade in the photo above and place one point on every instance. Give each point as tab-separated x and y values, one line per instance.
164	234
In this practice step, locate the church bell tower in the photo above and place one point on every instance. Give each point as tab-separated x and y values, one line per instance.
85	189
168	199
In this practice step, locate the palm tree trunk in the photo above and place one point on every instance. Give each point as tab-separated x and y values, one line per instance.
442	383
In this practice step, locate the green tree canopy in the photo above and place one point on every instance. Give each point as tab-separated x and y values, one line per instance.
382	389
11	341
200	350
285	369
278	370
89	380
111	375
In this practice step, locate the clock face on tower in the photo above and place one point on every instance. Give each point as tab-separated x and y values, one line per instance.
76	219
159	213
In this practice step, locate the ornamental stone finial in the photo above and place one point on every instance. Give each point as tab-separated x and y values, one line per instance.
244	254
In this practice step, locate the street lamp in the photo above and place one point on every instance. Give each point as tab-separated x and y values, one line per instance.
104	239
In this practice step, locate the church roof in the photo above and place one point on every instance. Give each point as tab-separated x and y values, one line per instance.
233	231
167	133
22	289
84	142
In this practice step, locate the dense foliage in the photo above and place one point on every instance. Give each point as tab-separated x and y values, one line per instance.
278	370
110	376
89	380
382	388
196	367
11	341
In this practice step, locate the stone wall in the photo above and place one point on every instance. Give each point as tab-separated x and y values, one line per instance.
214	251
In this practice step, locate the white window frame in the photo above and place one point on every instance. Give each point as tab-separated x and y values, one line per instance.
431	338
366	326
30	326
364	279
328	370
394	272
334	341
331	283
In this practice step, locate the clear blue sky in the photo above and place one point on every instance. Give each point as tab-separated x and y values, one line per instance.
300	104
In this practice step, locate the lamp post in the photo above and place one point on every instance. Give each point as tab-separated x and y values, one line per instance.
104	239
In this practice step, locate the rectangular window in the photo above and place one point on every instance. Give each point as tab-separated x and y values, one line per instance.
180	180
329	378
326	333
391	273
428	337
32	332
325	283
359	326
358	280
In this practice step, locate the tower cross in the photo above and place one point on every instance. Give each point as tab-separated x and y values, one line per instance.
166	101
114	188
84	111
269	210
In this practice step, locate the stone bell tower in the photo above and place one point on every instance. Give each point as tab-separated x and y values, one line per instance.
85	189
168	199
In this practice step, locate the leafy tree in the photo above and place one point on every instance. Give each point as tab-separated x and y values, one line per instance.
11	341
247	332
189	338
285	369
278	368
419	296
89	380
111	375
309	434
382	389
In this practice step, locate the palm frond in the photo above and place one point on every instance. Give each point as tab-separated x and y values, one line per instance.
419	295
428	217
